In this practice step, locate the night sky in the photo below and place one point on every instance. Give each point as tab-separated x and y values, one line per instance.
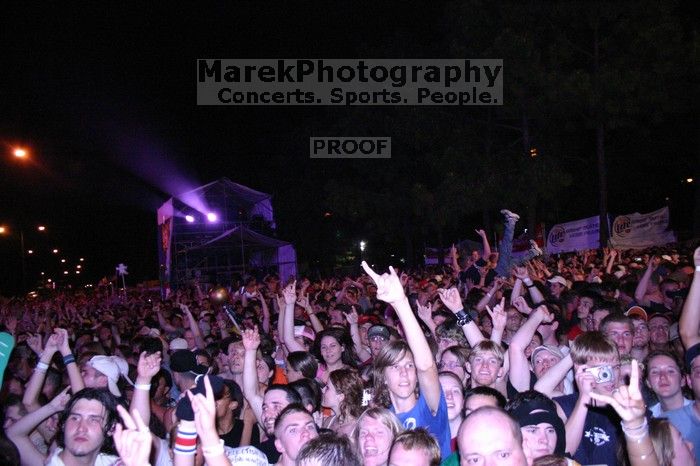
105	99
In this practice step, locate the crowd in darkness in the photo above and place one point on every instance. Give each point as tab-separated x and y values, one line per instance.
588	357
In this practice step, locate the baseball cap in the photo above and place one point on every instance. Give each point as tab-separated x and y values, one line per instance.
304	331
185	361
559	279
549	348
664	315
111	367
178	344
379	331
638	312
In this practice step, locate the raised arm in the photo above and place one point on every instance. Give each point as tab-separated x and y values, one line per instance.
455	262
519	367
30	399
76	380
148	366
689	325
453	302
251	388
265	313
551	379
362	352
19	432
194	327
524	275
643	284
485	244
290	299
499	319
488	297
389	289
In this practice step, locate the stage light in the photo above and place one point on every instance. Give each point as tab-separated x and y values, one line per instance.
189	218
30	251
41	228
212	217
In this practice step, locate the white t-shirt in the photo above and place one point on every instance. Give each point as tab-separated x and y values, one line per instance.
101	460
241	456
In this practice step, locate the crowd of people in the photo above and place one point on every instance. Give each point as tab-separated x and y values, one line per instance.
582	358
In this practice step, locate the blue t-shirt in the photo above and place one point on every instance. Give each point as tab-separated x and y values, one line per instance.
687	423
600	433
438	425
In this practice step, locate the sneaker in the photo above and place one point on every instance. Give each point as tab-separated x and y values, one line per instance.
535	249
510	216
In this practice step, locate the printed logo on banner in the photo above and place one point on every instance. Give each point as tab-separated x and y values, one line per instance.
557	235
622	226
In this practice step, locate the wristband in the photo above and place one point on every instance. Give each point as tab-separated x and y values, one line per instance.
697	268
463	318
68	359
142	386
528	282
186	439
42	366
531	285
214	450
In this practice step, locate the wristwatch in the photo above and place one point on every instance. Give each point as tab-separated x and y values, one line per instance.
463	318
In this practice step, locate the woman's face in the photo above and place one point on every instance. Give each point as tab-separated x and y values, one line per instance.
374	441
450	363
331	350
453	395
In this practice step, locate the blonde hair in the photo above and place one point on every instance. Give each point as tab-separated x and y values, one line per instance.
419	439
383	415
487	346
591	346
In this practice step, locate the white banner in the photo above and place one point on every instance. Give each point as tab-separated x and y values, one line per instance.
637	230
574	236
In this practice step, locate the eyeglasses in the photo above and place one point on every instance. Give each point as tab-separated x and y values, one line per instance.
449	365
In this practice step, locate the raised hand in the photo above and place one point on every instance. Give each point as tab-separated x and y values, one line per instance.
53	343
61	400
627	401
521	305
148	365
696	257
303	300
133	441
451	299
352	316
389	288
251	339
453	252
34	342
290	293
498	314
481	233
204	408
547	317
64	342
424	312
521	273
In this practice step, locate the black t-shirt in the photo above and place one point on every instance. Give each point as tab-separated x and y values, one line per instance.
268	447
233	437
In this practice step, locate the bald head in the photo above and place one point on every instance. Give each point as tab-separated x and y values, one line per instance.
490	435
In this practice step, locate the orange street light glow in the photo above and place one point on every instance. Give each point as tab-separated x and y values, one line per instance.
20	153
3	230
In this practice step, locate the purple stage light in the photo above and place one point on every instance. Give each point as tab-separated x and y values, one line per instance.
189	218
212	217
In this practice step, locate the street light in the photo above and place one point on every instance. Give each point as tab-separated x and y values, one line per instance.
41	228
20	153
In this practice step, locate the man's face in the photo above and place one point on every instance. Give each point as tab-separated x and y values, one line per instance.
664	377
622	335
475	402
694	378
294	432
544	360
400	456
658	330
641	333
401	378
538	440
236	355
189	337
83	432
273	403
93	378
488	440
514	320
485	368
374	441
376	343
606	388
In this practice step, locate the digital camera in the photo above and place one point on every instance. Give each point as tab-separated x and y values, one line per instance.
602	374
